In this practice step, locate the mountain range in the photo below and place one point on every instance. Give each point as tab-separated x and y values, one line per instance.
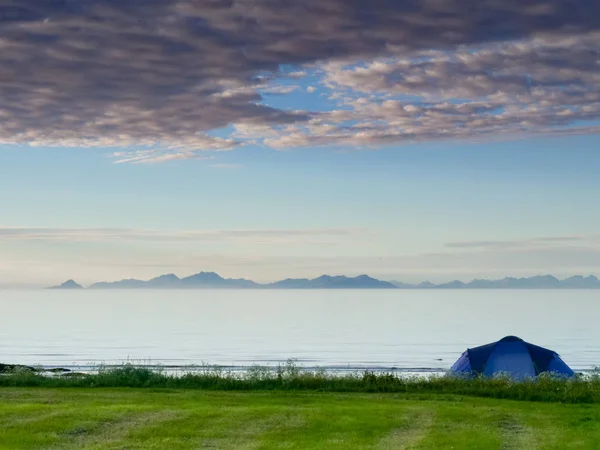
536	282
212	280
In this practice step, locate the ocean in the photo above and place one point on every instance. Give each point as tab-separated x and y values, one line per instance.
400	330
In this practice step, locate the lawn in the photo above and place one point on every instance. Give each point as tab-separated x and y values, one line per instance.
102	418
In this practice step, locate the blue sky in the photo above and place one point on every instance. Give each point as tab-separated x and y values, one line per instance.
391	212
275	156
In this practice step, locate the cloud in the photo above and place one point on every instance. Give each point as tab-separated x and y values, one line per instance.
280	90
504	90
559	260
559	255
297	74
552	241
442	267
122	234
186	148
157	76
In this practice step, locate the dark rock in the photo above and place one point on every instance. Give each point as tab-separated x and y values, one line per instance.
58	370
7	368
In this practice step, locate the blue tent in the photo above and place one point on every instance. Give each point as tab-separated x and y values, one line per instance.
512	356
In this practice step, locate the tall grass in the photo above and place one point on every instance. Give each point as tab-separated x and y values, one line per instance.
290	377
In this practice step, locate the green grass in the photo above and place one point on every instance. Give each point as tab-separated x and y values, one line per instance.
102	418
290	378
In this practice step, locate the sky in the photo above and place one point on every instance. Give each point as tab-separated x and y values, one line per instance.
267	139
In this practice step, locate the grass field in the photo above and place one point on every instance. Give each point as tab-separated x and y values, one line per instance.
289	377
102	418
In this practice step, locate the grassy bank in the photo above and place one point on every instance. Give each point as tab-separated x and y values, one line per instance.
290	378
86	419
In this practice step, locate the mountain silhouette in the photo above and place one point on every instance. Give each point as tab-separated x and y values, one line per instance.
68	285
329	282
212	280
536	282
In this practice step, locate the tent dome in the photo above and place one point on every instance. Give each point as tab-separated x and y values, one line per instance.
512	356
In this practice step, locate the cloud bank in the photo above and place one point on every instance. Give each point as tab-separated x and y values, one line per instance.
525	244
124	234
519	88
559	255
161	77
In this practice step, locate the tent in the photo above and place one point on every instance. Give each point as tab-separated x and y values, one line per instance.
511	356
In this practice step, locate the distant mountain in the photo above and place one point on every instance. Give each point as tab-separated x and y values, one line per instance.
202	280
164	281
68	285
329	282
580	282
536	282
123	284
212	280
401	285
291	283
452	285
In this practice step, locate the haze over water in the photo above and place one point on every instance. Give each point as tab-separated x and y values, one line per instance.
407	330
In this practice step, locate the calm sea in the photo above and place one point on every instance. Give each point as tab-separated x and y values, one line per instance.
406	330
